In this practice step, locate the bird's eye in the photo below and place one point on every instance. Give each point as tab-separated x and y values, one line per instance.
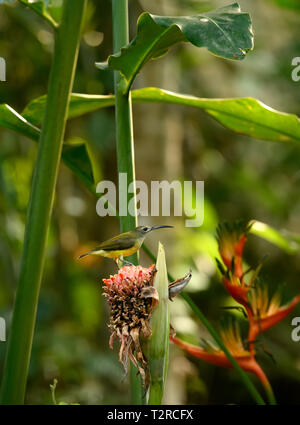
145	229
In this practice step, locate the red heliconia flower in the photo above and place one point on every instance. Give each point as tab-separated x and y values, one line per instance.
266	312
232	340
262	312
231	240
237	289
132	298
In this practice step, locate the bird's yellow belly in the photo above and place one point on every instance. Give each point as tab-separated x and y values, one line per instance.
117	253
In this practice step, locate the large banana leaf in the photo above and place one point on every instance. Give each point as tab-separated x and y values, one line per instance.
243	115
41	8
225	32
76	157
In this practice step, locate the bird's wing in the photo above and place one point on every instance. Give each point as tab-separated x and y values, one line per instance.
120	242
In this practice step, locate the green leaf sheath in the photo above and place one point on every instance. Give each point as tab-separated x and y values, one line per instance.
160	325
41	202
225	32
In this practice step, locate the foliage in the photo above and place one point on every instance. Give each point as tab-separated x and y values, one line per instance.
225	32
244	178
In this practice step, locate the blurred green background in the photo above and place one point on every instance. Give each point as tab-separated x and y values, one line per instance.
244	178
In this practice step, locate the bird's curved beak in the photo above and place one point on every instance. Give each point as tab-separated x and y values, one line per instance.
159	227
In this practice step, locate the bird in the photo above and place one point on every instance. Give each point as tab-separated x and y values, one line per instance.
123	245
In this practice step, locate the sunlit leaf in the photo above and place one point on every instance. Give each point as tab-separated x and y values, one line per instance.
286	241
40	7
225	32
243	115
79	104
10	119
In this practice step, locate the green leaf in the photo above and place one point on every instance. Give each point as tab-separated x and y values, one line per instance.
243	115
288	242
10	119
225	32
79	104
40	7
160	325
76	157
78	160
288	4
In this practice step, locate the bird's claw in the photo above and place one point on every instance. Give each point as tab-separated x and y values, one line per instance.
125	262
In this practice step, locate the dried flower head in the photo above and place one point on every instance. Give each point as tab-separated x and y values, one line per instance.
132	298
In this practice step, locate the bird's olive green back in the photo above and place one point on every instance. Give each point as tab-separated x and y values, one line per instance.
120	242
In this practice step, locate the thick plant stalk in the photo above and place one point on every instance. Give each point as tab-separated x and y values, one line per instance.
160	325
41	202
125	147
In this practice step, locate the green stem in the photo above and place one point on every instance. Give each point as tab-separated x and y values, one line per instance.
248	383
270	395
125	148
41	201
266	384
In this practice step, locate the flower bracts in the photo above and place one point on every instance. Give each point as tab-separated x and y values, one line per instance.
132	298
261	310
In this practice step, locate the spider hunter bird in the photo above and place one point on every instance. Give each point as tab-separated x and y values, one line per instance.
124	244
